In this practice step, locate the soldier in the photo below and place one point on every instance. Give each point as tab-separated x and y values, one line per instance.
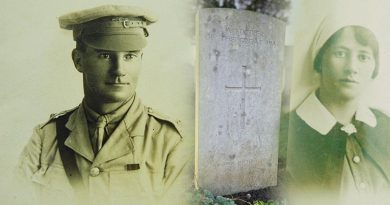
110	149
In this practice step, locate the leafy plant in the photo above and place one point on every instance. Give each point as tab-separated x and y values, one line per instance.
275	8
270	202
205	197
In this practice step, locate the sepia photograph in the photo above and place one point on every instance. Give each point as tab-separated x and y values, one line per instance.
209	102
97	102
335	139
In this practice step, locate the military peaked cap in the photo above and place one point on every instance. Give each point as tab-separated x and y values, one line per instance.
110	27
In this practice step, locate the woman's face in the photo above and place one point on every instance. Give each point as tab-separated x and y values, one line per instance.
347	67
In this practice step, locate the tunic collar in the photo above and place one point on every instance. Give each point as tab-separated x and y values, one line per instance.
314	113
133	124
113	117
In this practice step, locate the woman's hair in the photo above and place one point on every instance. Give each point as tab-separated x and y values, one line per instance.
362	35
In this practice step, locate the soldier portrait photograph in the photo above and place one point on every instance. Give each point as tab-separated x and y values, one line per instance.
108	97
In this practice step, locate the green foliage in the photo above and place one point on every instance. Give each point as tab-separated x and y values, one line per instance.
270	202
275	8
205	197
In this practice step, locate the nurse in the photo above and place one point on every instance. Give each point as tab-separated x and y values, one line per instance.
337	146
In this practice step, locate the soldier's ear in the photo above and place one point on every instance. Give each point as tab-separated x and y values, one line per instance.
76	56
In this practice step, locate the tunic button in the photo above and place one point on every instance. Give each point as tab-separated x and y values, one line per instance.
356	159
94	171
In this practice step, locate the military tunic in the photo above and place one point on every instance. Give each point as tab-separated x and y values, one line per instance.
144	160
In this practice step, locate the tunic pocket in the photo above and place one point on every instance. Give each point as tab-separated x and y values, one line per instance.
127	187
52	185
52	178
124	183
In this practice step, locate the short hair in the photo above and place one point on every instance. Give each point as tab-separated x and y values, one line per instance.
80	45
362	35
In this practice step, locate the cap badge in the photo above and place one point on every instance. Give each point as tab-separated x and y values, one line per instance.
125	21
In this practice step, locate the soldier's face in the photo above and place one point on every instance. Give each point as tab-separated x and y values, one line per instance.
109	76
347	67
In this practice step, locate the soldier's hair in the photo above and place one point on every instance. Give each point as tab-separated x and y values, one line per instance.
80	46
362	35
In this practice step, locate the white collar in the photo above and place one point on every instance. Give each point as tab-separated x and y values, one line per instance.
319	118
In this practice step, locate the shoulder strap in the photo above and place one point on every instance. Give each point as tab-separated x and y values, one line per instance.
67	155
176	123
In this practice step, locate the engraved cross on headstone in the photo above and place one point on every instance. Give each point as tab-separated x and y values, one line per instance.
238	99
246	72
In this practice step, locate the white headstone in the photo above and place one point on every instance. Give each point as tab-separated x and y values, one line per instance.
240	57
